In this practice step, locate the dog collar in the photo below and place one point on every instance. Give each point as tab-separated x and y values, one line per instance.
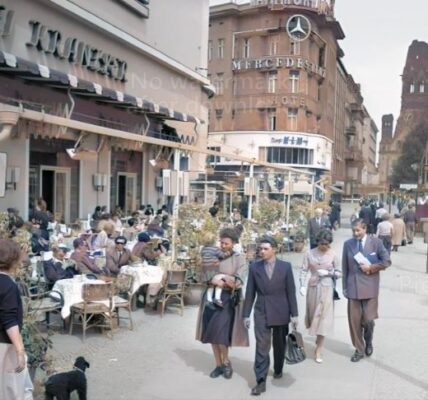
78	369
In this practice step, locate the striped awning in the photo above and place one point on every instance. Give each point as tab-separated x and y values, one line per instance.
10	64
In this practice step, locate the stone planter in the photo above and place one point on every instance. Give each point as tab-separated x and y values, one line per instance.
193	293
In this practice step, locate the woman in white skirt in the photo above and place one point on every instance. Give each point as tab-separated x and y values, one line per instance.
323	266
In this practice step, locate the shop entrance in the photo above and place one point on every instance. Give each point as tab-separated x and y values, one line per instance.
126	191
55	190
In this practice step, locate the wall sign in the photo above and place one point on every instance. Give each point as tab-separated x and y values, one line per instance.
278	62
75	51
292	140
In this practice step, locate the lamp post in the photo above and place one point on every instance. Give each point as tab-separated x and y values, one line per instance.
289	201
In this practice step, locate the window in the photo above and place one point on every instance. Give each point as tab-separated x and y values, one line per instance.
140	7
219	84
294	81
292	118
221	49
272	79
234	87
271	119
412	88
210	50
219	113
246	48
211	159
289	155
321	57
273	46
422	87
294	48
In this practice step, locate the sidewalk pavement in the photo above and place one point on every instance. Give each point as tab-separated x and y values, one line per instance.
161	360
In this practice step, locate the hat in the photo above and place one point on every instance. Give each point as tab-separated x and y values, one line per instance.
64	248
143	237
120	240
78	242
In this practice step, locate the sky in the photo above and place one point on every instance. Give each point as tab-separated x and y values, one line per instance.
378	34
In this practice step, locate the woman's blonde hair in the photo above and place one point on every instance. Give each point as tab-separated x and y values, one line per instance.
208	239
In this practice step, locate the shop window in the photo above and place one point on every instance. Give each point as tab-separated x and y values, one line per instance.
289	155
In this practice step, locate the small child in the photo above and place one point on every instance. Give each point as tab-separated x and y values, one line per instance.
211	256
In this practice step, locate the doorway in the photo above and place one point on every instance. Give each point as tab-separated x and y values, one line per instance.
126	191
55	190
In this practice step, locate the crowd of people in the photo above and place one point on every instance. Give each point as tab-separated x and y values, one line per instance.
234	291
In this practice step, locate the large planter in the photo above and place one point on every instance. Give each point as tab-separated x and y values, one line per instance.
193	293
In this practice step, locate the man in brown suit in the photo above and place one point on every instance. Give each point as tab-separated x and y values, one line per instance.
361	286
119	256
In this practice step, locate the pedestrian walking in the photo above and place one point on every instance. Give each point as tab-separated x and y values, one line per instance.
398	233
361	286
315	225
223	327
385	231
409	218
324	269
271	280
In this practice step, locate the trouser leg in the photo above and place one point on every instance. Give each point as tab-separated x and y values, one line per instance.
279	341
263	344
368	328
355	316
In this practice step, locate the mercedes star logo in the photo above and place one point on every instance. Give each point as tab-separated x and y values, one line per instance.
298	27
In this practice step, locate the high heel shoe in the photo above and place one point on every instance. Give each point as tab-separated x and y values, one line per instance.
318	357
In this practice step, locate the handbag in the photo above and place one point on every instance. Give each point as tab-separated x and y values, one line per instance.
403	242
235	297
295	351
335	293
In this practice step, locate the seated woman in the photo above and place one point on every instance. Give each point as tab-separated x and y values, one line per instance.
106	230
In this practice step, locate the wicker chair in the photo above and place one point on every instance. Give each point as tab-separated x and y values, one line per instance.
123	286
36	301
174	288
93	295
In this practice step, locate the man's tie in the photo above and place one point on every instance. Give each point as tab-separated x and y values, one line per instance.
360	246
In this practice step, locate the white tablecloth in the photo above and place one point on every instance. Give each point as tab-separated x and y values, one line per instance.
143	275
71	290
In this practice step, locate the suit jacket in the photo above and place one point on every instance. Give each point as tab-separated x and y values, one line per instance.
366	214
276	297
85	264
356	283
114	262
314	227
53	271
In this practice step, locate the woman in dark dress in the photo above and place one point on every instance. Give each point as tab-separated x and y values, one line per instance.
223	327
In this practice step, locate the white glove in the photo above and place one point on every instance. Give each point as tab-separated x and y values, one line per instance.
302	290
294	323
322	272
247	323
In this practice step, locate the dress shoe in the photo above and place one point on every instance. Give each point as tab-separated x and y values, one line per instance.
227	370
258	389
369	349
277	375
217	371
357	356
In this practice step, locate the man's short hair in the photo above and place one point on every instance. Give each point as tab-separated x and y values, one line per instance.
269	240
359	221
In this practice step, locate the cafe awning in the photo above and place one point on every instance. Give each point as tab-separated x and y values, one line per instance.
30	71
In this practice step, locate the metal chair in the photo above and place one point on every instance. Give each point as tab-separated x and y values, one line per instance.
123	286
94	295
174	288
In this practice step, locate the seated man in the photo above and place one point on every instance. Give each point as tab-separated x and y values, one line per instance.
119	256
131	231
84	263
56	268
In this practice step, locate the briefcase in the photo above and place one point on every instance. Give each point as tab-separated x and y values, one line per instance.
295	352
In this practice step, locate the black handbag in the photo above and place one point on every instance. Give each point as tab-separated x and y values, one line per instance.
235	297
335	293
403	242
295	351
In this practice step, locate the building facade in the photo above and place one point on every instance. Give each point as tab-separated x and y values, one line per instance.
92	97
281	84
413	113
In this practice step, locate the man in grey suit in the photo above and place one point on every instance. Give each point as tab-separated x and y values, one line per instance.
361	286
315	225
273	282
